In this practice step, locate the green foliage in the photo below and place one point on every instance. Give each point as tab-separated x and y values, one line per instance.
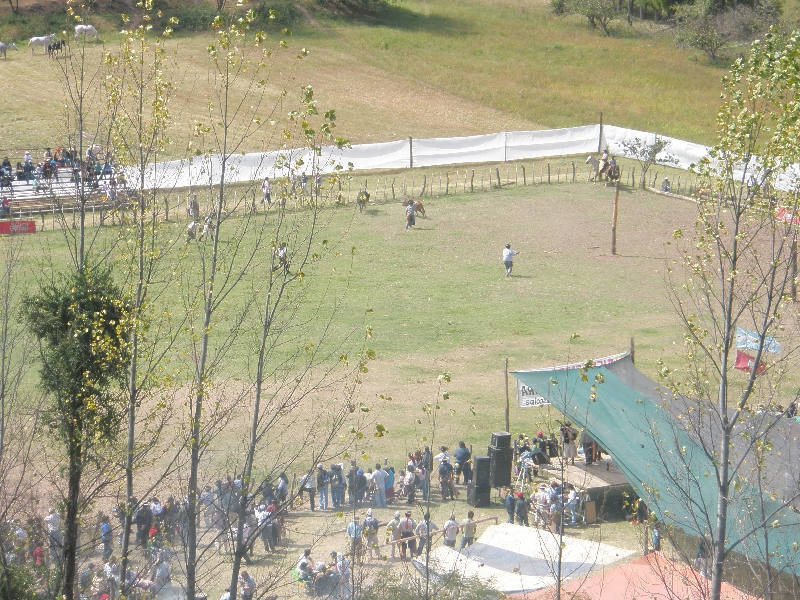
710	29
443	586
20	27
354	5
81	321
16	583
648	154
599	13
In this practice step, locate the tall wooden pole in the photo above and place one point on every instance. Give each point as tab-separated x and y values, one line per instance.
614	222
508	426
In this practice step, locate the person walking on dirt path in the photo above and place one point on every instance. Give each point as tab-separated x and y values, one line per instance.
508	259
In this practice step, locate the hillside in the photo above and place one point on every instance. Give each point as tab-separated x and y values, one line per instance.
418	68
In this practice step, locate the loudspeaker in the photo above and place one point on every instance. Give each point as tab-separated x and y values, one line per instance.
479	496
500	467
501	439
480	469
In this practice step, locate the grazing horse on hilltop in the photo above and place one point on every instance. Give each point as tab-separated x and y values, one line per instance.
85	30
4	47
418	208
41	41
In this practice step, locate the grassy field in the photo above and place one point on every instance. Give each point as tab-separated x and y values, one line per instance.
421	69
440	300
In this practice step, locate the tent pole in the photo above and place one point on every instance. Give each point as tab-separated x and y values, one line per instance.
508	427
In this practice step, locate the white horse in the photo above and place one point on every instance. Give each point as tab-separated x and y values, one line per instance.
85	30
41	41
5	47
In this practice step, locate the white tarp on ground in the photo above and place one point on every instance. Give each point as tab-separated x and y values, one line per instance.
520	559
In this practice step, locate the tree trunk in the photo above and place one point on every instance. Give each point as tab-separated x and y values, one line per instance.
70	549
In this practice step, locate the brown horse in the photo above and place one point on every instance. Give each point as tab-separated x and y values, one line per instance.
362	199
418	208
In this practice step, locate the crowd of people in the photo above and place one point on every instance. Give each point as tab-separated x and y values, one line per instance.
550	505
94	169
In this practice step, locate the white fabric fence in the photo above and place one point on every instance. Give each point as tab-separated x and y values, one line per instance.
427	152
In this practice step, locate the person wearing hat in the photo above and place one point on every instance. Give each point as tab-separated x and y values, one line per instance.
443	453
407	527
508	259
354	532
393	532
569	449
446	479
543	505
371	527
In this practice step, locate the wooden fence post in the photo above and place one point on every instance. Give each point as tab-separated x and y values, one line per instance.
548	171
447	183
524	182
497	174
516	175
471	180
424	183
614	222
393	196
573	171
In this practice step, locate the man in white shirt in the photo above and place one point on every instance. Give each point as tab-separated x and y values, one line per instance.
508	259
379	479
53	523
451	532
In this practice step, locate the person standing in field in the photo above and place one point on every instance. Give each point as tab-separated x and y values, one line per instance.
266	187
468	529
410	221
508	259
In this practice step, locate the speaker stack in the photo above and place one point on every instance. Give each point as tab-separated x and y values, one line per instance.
478	490
501	456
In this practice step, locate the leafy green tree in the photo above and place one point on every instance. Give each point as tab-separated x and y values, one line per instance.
711	29
736	272
599	13
647	154
81	322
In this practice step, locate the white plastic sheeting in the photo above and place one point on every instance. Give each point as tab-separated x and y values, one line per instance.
423	152
431	152
552	142
686	153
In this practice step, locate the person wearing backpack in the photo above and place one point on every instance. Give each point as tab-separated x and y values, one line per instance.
371	526
407	527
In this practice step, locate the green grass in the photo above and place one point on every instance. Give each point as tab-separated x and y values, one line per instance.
439	299
422	69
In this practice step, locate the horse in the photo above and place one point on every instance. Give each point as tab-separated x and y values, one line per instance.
41	41
418	208
612	173
362	199
56	47
85	30
599	168
4	47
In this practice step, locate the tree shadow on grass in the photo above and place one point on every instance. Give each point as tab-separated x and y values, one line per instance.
400	17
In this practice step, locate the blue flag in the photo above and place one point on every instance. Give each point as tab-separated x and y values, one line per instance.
751	340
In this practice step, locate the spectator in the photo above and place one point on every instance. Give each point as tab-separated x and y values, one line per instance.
323	483
247	586
407	527
308	484
425	528
371	526
468	528
379	477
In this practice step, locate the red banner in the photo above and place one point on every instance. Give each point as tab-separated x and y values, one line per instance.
744	362
7	227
